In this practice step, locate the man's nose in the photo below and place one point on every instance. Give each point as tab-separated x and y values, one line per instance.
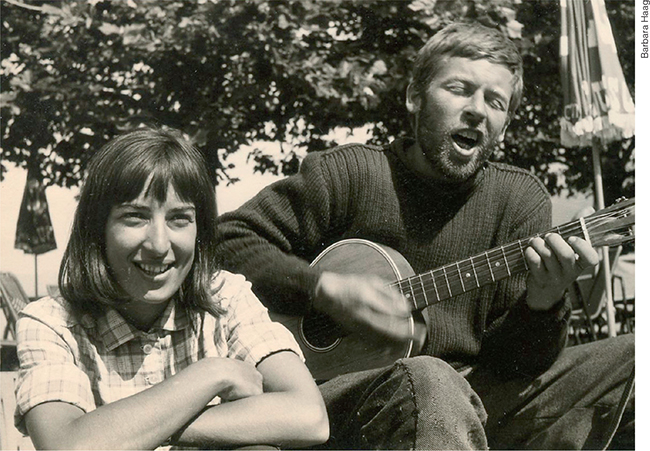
475	110
157	240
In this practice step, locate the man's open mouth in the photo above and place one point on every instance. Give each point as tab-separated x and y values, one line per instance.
466	139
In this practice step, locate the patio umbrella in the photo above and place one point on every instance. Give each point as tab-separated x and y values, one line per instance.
34	232
598	107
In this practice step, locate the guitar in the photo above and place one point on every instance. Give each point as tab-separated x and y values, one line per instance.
330	351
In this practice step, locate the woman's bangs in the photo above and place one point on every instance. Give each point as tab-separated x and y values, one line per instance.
129	183
177	172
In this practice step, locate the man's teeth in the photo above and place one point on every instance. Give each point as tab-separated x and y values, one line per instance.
153	269
469	134
466	139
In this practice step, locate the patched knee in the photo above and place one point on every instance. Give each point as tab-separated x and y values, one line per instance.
433	378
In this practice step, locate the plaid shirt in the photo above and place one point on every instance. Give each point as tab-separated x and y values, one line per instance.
91	362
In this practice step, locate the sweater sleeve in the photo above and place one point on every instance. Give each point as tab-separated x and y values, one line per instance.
521	341
271	238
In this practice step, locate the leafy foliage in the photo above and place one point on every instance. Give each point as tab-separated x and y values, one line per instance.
230	73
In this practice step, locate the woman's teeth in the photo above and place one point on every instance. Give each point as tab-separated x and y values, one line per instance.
153	270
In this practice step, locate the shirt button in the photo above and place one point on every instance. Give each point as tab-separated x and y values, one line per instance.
147	348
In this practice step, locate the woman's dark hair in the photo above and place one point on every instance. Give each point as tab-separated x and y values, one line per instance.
118	173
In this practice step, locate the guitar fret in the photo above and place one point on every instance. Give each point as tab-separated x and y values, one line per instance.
435	287
424	291
460	275
505	260
444	273
471	262
487	257
523	256
411	295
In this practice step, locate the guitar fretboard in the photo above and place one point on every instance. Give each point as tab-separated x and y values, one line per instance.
505	261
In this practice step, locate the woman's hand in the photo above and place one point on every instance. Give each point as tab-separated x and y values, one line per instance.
236	379
290	412
148	418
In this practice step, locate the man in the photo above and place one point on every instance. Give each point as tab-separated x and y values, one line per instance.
436	199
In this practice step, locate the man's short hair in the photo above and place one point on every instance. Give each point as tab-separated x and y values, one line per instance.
473	41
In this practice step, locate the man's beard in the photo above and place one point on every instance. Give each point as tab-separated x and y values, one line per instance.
439	156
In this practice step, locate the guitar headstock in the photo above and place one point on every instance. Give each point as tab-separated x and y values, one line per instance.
612	226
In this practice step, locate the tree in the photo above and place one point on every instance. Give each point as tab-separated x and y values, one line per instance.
229	73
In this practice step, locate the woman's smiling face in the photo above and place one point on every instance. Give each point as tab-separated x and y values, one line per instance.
150	246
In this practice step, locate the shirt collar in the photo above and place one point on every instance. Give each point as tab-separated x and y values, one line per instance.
113	330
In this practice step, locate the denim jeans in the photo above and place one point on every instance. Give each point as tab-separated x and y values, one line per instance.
423	403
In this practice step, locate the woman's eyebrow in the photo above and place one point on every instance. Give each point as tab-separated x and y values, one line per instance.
188	207
131	204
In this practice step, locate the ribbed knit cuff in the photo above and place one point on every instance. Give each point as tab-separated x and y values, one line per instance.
558	312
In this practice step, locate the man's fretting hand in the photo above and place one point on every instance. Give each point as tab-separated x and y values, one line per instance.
554	264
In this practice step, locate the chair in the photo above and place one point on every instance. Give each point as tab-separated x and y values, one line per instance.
13	298
624	292
53	291
10	437
588	299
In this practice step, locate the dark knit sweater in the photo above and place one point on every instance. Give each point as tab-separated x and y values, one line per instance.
367	192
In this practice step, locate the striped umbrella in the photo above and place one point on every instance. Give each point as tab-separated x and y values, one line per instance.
598	107
597	102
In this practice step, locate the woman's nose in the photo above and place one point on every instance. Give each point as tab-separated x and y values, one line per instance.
157	240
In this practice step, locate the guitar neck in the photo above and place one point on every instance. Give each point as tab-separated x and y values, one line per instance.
488	267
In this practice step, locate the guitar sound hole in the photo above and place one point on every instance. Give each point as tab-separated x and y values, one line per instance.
320	332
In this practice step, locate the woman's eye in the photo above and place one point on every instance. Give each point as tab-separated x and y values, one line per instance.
133	217
182	220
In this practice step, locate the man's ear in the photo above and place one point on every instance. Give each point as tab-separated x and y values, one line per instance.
412	99
503	131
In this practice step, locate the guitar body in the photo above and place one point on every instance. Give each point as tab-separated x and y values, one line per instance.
329	351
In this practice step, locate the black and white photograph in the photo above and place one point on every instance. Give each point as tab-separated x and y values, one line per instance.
321	224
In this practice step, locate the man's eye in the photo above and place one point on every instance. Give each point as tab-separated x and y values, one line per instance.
456	88
498	104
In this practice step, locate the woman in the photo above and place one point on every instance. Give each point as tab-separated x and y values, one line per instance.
149	344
